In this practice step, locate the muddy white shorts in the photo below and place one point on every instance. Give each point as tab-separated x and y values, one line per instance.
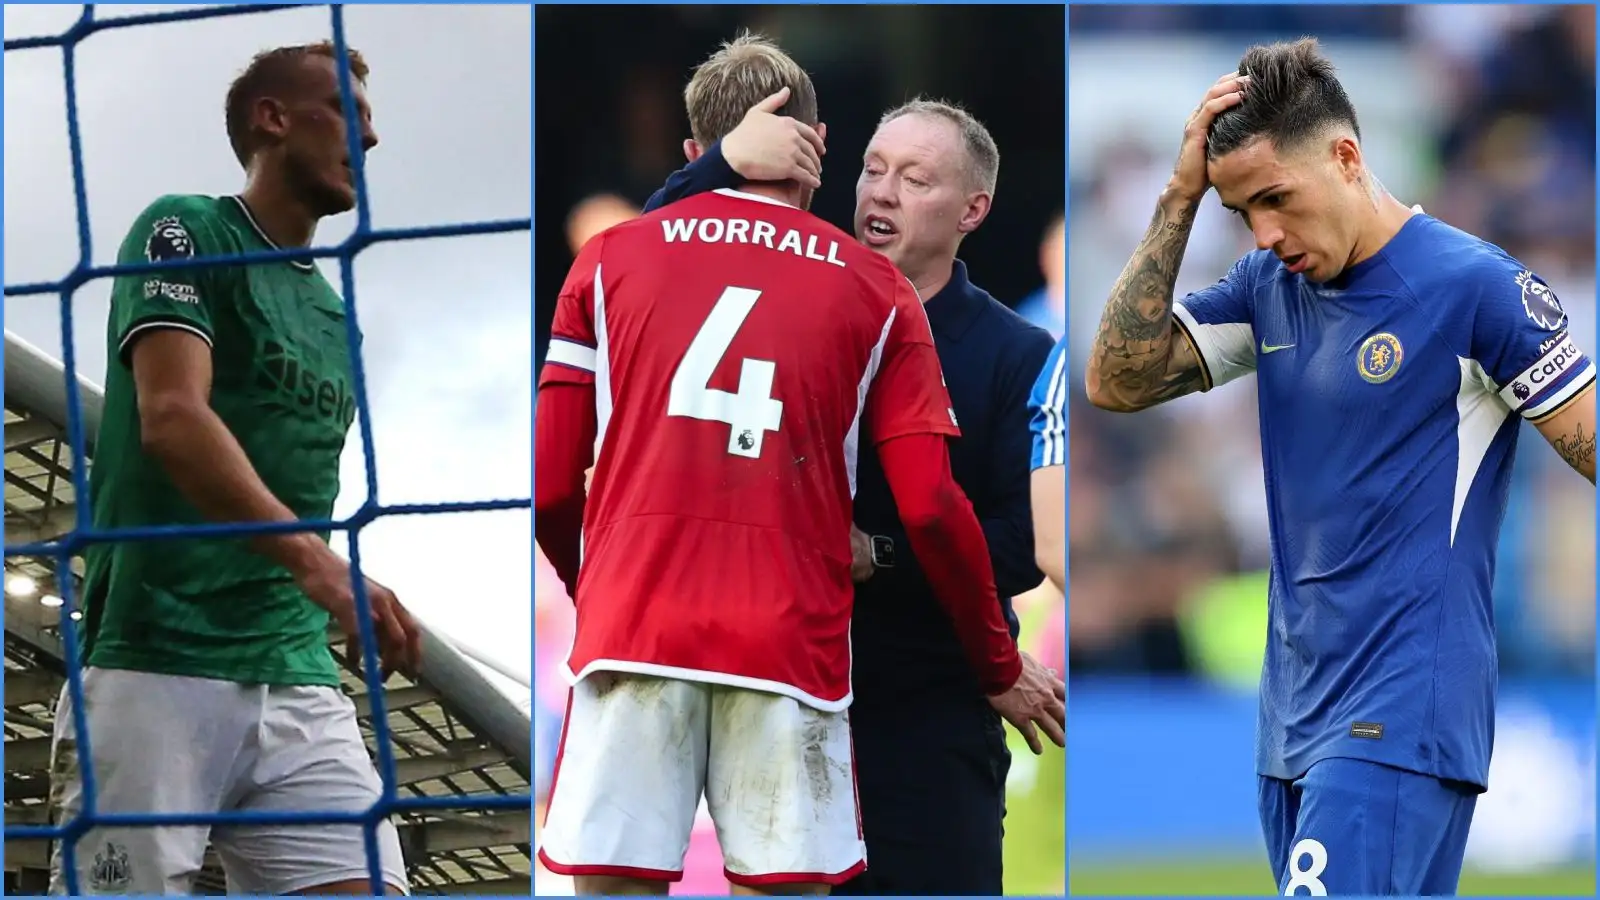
176	744
638	752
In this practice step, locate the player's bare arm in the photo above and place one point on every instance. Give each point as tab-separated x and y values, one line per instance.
1048	492
1139	359
1572	433
172	372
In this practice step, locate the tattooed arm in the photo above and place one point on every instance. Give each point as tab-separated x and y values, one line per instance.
1139	359
1572	432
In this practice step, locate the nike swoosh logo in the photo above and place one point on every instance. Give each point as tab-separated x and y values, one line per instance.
1273	348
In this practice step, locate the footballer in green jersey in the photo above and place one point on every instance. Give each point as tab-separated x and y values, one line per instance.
281	383
208	683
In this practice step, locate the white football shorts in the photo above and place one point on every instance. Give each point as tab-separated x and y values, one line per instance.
637	753
177	744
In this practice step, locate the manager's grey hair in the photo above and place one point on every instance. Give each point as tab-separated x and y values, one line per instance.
983	156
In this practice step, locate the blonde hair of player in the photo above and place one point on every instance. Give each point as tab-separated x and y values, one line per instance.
742	73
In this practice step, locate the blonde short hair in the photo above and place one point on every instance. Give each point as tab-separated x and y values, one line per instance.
983	155
745	71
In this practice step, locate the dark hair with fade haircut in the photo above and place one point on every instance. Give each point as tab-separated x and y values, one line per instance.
1293	94
271	71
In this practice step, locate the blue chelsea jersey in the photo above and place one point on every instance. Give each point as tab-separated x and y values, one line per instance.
1048	405
1390	401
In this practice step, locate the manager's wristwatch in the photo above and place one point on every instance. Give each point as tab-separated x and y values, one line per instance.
882	551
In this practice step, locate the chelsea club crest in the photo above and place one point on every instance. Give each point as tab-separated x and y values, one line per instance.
1379	357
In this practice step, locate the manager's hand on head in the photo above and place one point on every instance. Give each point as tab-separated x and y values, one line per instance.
768	147
326	580
1039	698
1189	178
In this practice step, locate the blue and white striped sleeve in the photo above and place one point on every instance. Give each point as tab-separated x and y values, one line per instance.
1048	403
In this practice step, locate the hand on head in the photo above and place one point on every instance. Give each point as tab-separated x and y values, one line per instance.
767	146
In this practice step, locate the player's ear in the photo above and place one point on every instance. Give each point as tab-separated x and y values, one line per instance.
1347	155
271	117
691	150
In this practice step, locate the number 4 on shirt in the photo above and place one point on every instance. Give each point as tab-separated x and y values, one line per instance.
750	413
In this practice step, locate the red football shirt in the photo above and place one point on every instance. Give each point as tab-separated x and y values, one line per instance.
743	352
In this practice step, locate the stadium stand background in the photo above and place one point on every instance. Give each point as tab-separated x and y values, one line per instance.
608	136
1485	116
463	727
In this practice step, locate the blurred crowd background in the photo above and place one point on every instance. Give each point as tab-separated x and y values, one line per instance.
609	132
1485	115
